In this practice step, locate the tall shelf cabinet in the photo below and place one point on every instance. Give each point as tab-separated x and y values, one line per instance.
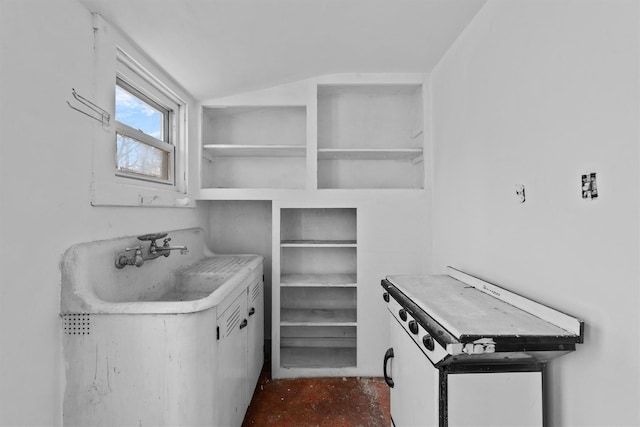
341	159
318	288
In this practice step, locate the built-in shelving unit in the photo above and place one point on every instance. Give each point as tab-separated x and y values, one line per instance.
338	132
370	136
315	154
318	288
262	147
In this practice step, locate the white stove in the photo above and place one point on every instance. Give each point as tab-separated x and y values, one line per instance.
465	325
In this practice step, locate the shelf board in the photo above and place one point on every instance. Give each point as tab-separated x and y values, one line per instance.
318	244
314	357
318	317
319	280
369	153
319	342
338	194
237	150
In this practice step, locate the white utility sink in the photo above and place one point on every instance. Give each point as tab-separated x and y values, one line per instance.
176	340
179	283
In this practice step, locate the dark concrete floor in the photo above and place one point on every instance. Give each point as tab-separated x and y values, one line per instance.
321	402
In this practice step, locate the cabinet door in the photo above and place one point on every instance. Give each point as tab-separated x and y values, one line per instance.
414	397
495	399
256	334
232	399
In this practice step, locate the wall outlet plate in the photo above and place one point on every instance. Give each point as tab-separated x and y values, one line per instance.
589	186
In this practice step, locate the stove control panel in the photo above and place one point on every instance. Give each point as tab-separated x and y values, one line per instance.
430	347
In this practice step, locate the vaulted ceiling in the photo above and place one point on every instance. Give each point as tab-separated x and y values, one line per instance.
222	47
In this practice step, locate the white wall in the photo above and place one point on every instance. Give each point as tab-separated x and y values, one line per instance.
45	174
537	93
244	227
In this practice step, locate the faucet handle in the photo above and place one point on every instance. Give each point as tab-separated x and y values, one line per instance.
166	241
123	260
152	236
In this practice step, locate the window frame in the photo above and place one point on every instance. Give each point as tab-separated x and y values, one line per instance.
166	144
114	56
133	78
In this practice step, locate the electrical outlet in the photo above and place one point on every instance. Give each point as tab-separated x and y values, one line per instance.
589	186
520	196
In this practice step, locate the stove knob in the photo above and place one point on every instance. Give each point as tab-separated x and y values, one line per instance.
403	314
413	326
385	296
427	340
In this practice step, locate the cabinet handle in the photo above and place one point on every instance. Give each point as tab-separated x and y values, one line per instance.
388	355
244	323
252	311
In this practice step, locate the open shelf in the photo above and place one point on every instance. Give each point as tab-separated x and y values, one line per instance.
413	154
320	280
318	259
318	244
320	224
254	147
318	357
370	136
335	342
318	305
236	150
317	317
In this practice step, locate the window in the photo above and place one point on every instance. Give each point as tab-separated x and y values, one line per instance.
145	126
144	148
140	158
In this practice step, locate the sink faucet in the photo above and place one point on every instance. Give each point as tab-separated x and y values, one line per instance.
165	249
139	257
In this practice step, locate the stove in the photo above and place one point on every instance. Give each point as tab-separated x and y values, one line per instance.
460	324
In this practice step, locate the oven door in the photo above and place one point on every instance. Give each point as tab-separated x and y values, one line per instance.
414	395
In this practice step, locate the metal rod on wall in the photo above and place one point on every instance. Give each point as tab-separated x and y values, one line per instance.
104	115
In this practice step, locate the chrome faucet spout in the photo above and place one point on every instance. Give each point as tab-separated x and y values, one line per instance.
138	258
166	249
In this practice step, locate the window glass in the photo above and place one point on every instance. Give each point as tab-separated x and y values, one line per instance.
133	111
133	156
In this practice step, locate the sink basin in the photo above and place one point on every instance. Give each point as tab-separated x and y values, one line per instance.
204	278
176	284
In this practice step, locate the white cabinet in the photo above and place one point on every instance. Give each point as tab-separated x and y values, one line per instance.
496	399
240	336
255	299
414	395
187	368
233	362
